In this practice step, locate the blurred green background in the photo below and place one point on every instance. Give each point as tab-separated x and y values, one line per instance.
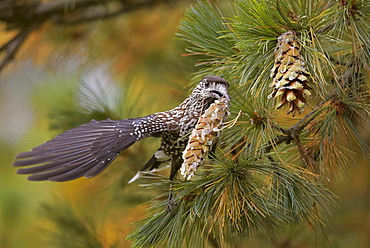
134	66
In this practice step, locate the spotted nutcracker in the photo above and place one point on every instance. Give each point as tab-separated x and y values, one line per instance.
88	149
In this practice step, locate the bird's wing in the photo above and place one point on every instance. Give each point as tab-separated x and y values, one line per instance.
83	151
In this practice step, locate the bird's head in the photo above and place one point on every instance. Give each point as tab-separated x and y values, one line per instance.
212	88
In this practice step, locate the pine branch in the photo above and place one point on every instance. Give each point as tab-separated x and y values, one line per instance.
104	13
93	16
12	46
294	131
27	16
233	200
71	226
207	42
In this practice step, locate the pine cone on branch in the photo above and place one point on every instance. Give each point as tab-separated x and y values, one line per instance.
289	74
203	135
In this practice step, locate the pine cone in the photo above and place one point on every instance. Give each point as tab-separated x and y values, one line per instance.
289	74
205	132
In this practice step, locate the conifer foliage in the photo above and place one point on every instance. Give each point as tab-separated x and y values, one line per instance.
271	170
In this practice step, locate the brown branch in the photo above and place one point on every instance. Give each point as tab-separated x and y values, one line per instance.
64	6
13	45
98	14
294	131
26	16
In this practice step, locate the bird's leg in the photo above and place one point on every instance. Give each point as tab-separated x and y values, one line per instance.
171	203
175	166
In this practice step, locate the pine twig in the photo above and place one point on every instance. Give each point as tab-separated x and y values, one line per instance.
98	15
294	131
105	13
27	16
12	46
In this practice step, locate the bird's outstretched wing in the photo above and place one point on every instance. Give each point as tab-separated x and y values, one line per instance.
85	150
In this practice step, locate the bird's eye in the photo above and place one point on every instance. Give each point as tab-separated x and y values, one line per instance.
207	83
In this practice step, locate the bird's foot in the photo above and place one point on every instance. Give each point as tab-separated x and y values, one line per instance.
170	205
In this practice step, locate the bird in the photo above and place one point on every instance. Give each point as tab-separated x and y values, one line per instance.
87	150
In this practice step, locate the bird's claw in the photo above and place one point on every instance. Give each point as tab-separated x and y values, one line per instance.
170	205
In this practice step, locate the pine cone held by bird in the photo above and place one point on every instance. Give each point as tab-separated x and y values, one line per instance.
203	135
